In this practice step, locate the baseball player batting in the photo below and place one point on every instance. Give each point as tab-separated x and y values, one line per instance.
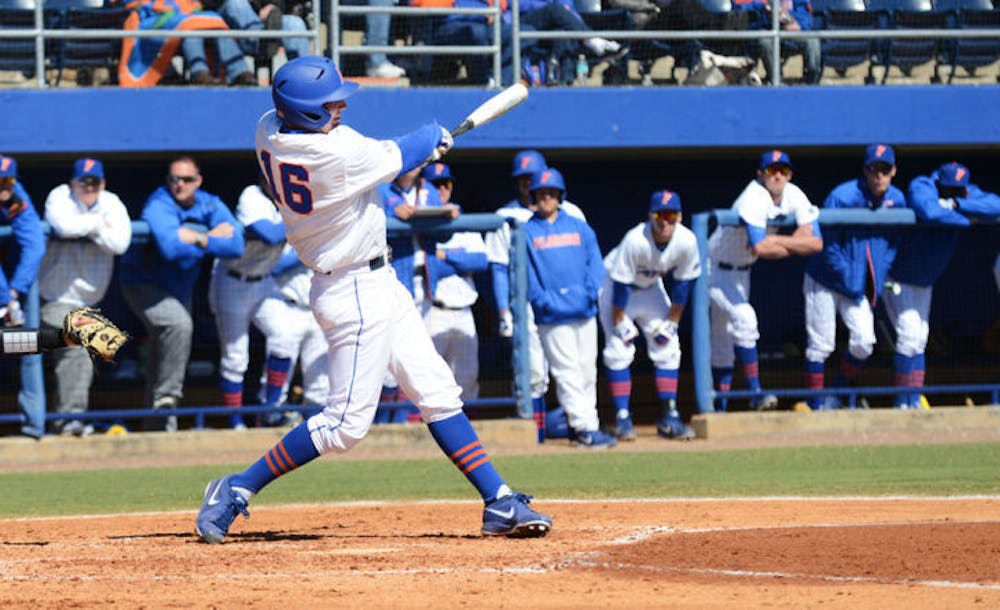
325	177
633	294
526	163
734	249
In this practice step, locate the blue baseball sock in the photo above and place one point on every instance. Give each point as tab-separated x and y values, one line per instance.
903	366
459	441
277	375
666	384
296	449
747	356
620	385
814	379
722	377
849	368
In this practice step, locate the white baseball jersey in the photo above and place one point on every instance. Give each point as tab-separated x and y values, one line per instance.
730	245
258	257
498	242
326	185
337	221
457	291
638	261
78	272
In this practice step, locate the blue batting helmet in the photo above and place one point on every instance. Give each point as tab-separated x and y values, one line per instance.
303	85
547	178
527	162
435	172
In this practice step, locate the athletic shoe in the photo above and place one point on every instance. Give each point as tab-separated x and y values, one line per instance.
236	422
595	439
625	429
765	402
831	403
386	69
218	510
510	516
671	426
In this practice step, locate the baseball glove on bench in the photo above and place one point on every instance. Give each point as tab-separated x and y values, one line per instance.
91	330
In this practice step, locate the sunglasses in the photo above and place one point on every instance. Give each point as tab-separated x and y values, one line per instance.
89	181
185	179
880	168
670	216
7	181
773	170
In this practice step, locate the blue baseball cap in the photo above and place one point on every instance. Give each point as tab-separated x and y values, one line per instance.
880	153
775	157
954	175
88	167
526	163
8	167
664	200
436	171
548	177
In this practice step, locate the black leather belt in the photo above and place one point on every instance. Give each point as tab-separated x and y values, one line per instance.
441	305
245	278
729	267
377	263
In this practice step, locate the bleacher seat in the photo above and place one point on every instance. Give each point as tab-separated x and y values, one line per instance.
904	53
718	18
847	15
619	20
970	53
19	54
76	54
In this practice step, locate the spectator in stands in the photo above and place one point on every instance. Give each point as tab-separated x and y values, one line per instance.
559	15
633	294
524	166
18	212
451	292
377	29
948	199
847	277
144	61
89	227
259	15
565	272
795	15
292	332
734	249
238	288
159	276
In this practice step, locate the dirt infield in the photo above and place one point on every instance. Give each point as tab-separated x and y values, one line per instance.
838	553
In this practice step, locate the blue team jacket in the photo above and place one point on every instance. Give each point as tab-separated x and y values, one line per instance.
24	222
565	269
853	256
166	261
924	252
402	247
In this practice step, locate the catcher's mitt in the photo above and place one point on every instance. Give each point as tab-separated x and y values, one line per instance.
91	330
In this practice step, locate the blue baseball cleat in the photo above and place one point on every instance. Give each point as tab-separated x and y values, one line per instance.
595	439
510	516
625	431
764	402
219	509
671	426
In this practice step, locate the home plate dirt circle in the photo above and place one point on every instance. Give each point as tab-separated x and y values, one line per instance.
792	552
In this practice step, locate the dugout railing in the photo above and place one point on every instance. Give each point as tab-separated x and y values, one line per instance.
701	348
32	391
43	35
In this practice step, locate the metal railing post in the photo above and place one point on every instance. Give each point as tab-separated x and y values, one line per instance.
701	344
775	67
515	39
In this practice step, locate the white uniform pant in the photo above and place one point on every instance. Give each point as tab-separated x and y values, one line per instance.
453	332
822	307
371	325
292	332
571	350
733	319
909	312
235	304
648	308
537	361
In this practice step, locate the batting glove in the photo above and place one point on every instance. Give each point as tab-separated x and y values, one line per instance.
626	331
506	324
13	315
666	333
447	141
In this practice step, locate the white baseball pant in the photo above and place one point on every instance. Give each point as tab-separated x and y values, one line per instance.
733	318
648	308
571	350
292	332
909	312
371	325
453	332
235	303
822	307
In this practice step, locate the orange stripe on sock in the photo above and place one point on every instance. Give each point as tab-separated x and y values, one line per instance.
270	464
475	465
455	455
282	465
288	459
475	454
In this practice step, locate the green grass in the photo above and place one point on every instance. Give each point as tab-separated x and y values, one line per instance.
931	470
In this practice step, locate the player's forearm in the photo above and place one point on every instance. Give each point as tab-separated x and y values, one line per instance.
770	248
802	245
